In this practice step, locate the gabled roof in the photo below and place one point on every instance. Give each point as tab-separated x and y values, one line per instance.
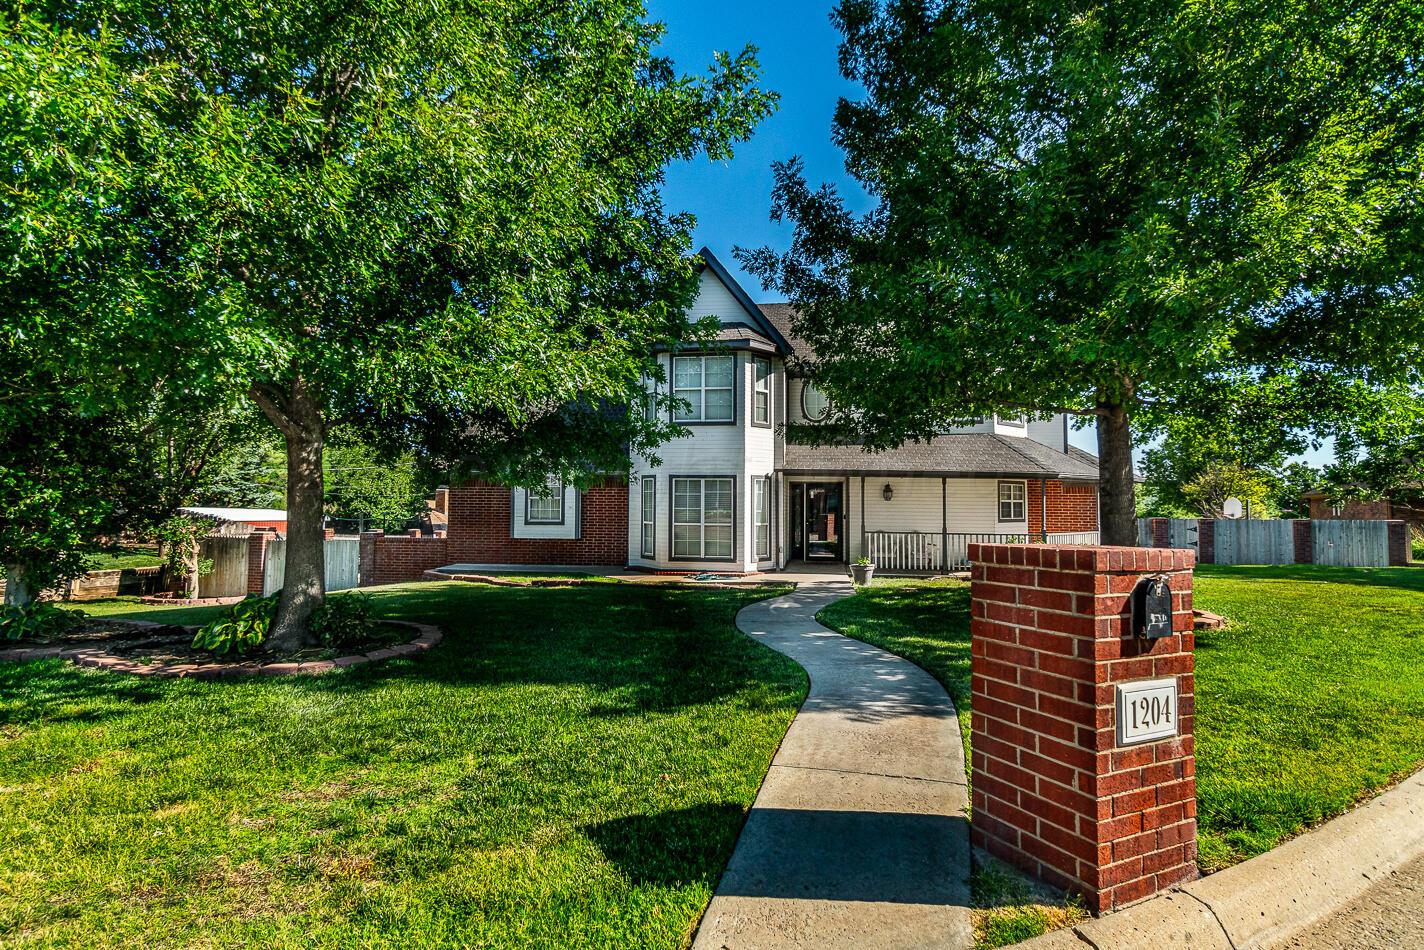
754	312
967	455
781	315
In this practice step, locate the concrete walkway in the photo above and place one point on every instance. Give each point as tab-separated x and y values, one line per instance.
859	836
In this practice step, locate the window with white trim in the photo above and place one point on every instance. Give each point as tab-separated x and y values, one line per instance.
761	391
702	512
1018	422
761	504
1013	501
650	504
708	385
546	507
814	404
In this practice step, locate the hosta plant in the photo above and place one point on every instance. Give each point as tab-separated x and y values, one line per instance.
243	626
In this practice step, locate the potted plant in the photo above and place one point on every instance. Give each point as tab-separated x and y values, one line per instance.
862	570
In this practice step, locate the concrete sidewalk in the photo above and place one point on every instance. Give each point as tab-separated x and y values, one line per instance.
859	836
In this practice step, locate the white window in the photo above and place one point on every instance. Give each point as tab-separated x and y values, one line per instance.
707	384
702	513
1013	501
761	504
814	404
650	503
1018	422
546	506
761	392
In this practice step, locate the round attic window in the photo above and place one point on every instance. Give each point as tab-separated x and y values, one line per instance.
814	404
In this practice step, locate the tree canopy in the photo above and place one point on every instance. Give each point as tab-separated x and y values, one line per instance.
393	216
1096	209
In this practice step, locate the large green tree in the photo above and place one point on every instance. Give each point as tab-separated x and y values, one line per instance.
386	214
1092	207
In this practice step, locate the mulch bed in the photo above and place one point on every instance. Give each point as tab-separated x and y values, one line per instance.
155	649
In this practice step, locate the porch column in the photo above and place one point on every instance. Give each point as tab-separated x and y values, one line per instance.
864	538
944	524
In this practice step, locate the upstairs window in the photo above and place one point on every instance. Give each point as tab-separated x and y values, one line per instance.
546	507
814	404
1013	501
761	392
707	384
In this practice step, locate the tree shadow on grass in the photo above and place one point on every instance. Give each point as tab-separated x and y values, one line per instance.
56	691
672	848
639	648
1403	578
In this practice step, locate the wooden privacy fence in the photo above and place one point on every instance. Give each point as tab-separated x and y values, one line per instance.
228	577
1333	542
343	561
1255	542
1351	543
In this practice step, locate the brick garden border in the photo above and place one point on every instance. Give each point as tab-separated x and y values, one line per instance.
427	636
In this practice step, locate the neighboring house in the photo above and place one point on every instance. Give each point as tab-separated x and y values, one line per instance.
1383	509
734	496
242	520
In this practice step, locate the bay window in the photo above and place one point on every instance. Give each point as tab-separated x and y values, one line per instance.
702	519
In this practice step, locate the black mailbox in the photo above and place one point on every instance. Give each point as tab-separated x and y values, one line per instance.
1152	608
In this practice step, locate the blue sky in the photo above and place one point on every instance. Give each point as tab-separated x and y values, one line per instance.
797	44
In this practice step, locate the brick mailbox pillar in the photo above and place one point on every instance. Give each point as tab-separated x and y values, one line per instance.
1056	790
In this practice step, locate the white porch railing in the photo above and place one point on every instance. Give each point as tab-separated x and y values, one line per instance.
924	552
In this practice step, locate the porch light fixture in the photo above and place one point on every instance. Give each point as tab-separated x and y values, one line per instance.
887	492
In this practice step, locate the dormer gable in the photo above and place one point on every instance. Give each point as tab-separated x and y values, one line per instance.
720	295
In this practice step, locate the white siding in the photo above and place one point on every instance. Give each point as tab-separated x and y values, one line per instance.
569	528
1048	431
741	451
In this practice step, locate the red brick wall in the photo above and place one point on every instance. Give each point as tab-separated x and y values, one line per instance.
1379	510
1052	792
1071	507
1398	544
257	543
400	558
1303	541
479	533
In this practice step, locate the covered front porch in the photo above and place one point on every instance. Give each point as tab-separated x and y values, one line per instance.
909	523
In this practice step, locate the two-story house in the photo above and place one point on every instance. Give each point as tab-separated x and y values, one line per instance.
734	496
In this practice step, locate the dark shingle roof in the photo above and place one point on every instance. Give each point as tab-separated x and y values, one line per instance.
956	456
780	315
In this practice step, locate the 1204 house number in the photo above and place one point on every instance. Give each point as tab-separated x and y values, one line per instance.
1146	710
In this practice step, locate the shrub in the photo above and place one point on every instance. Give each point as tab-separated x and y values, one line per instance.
37	620
343	621
241	627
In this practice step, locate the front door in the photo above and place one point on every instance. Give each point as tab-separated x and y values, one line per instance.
817	522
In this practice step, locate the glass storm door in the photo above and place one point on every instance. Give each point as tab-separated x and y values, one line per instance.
824	525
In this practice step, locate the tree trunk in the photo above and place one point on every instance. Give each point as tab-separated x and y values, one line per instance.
1117	498
301	421
17	589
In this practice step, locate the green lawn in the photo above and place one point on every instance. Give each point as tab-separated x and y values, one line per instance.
569	768
1312	698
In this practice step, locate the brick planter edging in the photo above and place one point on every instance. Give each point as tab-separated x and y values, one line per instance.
427	636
